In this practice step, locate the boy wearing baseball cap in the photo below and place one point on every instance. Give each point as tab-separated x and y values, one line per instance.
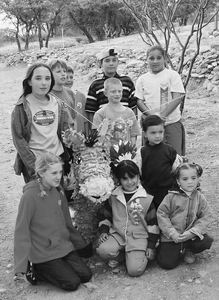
96	98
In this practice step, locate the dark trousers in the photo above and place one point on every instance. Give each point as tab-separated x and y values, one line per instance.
169	254
158	197
66	273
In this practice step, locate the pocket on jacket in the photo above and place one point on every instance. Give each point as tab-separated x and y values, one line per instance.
140	235
54	242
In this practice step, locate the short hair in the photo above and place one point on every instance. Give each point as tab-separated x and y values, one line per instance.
56	63
126	167
27	88
44	161
70	69
111	81
156	47
152	120
187	166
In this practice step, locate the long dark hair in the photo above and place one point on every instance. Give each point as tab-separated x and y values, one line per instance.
27	89
126	167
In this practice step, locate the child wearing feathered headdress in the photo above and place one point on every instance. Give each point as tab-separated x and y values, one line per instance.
128	222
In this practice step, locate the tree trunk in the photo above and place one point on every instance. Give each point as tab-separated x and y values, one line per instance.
216	21
87	33
27	39
17	38
82	28
40	35
49	31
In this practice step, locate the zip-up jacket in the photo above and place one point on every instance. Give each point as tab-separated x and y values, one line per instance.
132	224
180	212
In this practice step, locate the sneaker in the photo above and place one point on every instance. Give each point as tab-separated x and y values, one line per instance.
189	257
113	263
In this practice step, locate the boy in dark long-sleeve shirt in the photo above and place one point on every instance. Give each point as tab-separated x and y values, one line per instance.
156	160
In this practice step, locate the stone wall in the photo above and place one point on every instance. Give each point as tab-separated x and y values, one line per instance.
132	62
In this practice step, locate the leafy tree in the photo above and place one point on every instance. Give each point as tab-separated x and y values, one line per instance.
30	14
101	18
20	14
46	12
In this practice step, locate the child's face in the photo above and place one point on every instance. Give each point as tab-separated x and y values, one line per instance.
109	65
69	79
155	61
59	74
40	82
114	93
129	184
155	134
52	177
188	180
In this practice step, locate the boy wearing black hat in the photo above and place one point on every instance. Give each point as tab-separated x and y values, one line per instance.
96	98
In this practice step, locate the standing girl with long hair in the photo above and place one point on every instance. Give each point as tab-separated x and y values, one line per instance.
37	122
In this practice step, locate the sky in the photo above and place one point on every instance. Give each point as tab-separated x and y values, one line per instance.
5	23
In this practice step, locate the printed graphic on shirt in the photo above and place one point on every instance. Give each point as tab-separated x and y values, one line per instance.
163	94
44	117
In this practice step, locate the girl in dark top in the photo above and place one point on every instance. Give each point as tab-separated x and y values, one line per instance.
44	234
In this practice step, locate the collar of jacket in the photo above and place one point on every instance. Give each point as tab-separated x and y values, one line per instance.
119	194
21	100
181	192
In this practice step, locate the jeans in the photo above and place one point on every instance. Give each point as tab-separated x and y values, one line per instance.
66	273
170	253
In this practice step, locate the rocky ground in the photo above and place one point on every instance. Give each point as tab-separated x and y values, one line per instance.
198	281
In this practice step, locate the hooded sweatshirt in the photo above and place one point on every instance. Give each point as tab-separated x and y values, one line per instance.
43	230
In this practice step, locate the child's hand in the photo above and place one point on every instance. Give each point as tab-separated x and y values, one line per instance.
175	237
103	237
150	254
185	236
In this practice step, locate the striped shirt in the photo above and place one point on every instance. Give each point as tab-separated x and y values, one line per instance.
96	98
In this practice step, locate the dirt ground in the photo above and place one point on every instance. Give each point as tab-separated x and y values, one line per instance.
198	281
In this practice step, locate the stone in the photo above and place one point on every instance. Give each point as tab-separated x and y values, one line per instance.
90	286
215	46
216	76
215	33
197	281
135	64
215	89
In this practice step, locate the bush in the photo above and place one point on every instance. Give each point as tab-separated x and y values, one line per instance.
7	35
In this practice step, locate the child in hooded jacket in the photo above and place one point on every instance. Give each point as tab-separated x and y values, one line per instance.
44	234
128	222
183	217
